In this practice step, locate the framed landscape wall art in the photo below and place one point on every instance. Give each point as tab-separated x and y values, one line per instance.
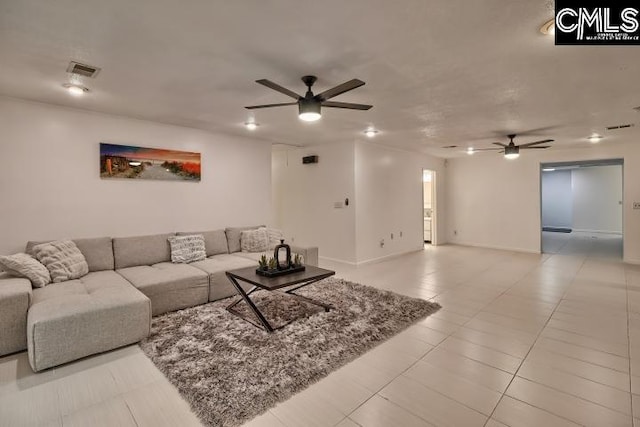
129	162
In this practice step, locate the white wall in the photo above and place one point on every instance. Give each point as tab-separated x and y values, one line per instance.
389	195
493	202
597	192
557	199
384	186
305	195
51	188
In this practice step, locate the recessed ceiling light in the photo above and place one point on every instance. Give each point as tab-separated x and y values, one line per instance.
595	138
470	151
75	89
548	169
549	28
251	125
370	132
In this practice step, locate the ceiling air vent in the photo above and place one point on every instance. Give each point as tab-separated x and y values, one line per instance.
619	127
82	69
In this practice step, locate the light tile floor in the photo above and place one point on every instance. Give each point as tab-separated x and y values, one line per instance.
521	340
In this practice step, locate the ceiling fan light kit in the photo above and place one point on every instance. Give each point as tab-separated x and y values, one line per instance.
308	110
512	152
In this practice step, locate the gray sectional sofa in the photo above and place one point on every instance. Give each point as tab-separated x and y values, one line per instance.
130	279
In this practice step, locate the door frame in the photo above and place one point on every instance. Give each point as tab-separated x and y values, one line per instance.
434	205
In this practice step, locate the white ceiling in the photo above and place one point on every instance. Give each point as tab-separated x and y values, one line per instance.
437	72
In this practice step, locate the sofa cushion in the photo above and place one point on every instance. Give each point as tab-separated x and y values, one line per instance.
216	266
141	250
233	236
98	252
73	319
15	298
254	240
63	259
253	256
23	265
169	286
188	248
215	241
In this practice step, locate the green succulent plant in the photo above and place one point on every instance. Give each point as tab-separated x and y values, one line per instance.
272	264
262	262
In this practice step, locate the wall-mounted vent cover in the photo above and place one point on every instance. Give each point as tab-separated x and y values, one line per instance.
620	127
82	69
450	146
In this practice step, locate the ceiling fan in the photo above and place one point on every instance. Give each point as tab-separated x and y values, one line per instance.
309	104
512	151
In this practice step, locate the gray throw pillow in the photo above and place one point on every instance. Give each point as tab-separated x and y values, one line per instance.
63	259
23	265
254	240
186	249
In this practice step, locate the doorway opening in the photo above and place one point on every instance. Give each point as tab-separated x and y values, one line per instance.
428	198
582	208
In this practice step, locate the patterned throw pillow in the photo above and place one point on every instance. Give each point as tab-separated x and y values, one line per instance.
275	236
23	265
186	249
63	259
254	240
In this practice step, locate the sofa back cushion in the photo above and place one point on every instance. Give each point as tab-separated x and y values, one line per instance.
97	251
215	241
141	250
233	236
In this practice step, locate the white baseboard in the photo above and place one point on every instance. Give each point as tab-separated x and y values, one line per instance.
499	248
388	257
341	261
631	261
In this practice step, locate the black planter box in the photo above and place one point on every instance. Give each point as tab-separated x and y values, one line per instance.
276	273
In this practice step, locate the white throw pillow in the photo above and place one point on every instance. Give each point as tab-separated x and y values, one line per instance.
23	265
254	240
63	259
186	249
275	236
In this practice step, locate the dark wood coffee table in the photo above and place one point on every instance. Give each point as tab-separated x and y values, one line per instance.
304	278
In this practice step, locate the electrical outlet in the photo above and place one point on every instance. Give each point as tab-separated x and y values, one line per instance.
401	234
455	232
382	243
636	205
391	236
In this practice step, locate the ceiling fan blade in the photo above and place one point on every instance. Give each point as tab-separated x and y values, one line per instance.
344	87
277	87
253	107
347	105
486	149
500	144
529	144
532	148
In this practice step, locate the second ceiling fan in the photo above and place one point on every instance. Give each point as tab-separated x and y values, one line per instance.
309	105
512	151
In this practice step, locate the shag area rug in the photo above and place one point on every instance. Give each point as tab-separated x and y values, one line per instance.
231	371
